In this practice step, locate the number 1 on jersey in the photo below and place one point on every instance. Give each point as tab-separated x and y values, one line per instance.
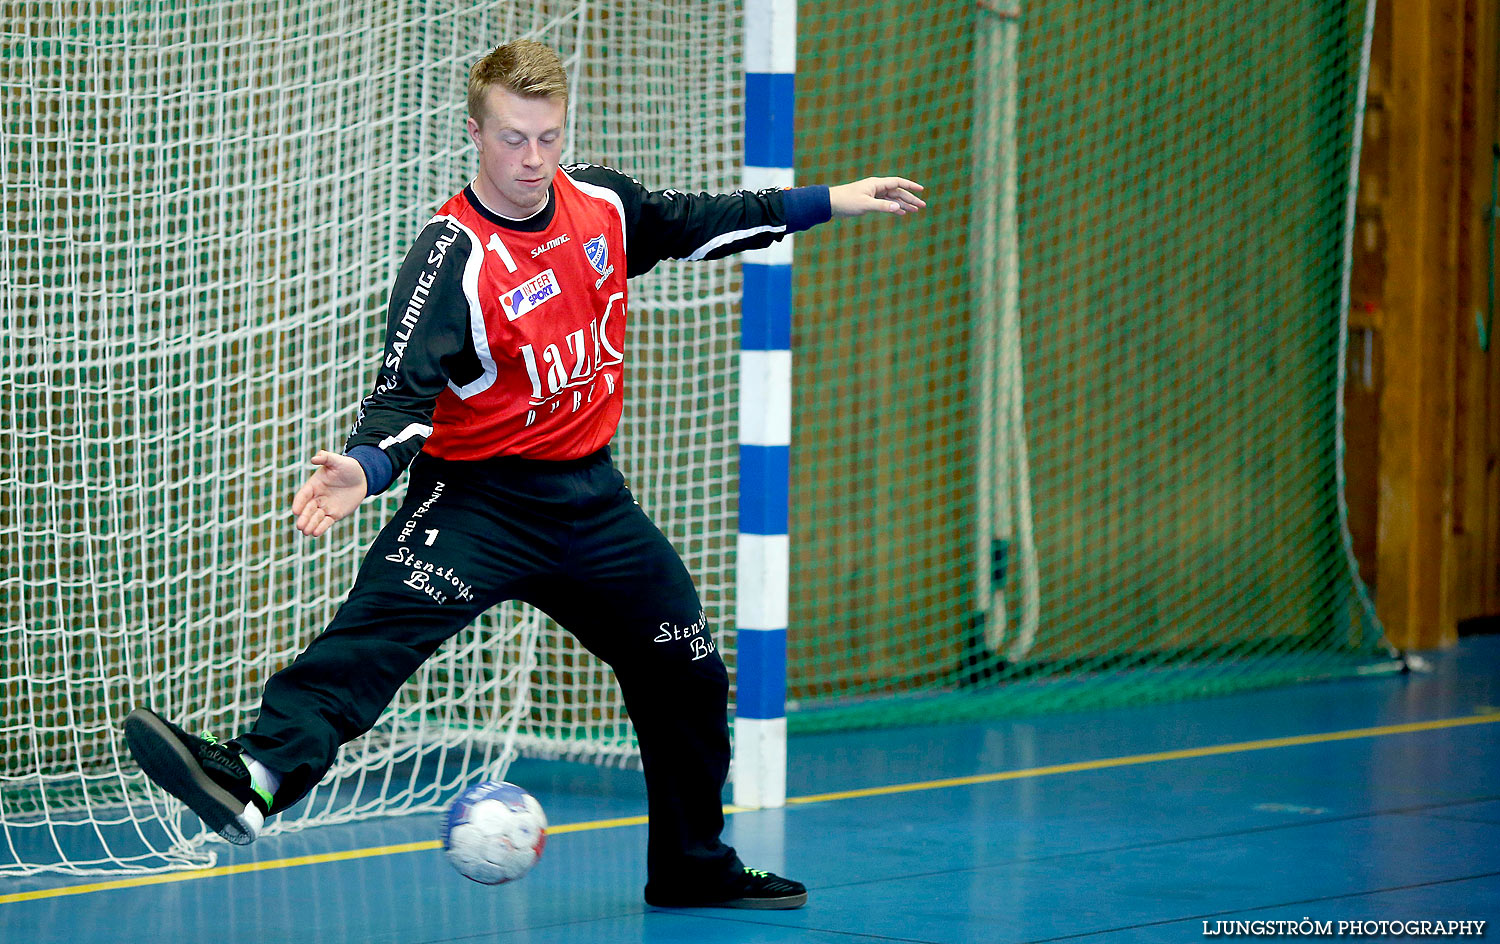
502	252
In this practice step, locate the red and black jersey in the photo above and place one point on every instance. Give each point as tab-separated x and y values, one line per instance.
507	337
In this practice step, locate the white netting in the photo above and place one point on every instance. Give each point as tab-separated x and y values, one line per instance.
204	204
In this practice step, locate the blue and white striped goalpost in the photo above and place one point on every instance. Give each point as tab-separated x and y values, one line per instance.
765	419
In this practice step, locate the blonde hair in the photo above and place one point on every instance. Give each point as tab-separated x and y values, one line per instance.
525	67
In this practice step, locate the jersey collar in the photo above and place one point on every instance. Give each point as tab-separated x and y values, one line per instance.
534	223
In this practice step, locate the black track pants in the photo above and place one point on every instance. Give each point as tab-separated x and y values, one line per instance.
568	538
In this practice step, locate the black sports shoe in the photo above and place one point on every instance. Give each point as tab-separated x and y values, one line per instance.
211	778
752	888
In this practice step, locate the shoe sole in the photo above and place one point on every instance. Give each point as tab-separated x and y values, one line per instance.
765	904
171	766
785	903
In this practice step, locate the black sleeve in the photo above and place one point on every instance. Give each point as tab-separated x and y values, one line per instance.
427	328
669	224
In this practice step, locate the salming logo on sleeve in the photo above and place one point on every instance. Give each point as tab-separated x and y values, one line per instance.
426	331
419	295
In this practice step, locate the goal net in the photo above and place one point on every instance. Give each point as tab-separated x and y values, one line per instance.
204	206
1071	438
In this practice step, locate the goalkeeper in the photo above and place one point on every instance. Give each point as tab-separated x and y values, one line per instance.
500	385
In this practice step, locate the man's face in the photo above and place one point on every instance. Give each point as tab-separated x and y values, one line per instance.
520	144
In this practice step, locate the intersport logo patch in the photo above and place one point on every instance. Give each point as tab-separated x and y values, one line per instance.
528	295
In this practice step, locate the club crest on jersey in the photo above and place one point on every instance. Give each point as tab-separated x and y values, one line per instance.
518	301
597	249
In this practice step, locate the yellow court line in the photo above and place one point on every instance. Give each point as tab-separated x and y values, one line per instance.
1240	747
1028	773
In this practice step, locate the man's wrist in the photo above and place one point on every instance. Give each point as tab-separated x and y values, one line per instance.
379	470
806	207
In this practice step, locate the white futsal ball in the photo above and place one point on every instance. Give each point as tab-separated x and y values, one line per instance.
494	832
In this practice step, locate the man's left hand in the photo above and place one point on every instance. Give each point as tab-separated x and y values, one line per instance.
876	195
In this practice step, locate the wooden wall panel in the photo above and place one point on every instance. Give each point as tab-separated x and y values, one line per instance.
1429	441
1476	473
1413	556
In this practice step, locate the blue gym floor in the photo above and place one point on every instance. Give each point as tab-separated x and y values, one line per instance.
1374	799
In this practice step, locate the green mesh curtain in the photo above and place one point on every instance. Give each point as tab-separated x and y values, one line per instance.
1070	437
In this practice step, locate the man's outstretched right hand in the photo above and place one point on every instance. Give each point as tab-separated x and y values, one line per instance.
332	492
